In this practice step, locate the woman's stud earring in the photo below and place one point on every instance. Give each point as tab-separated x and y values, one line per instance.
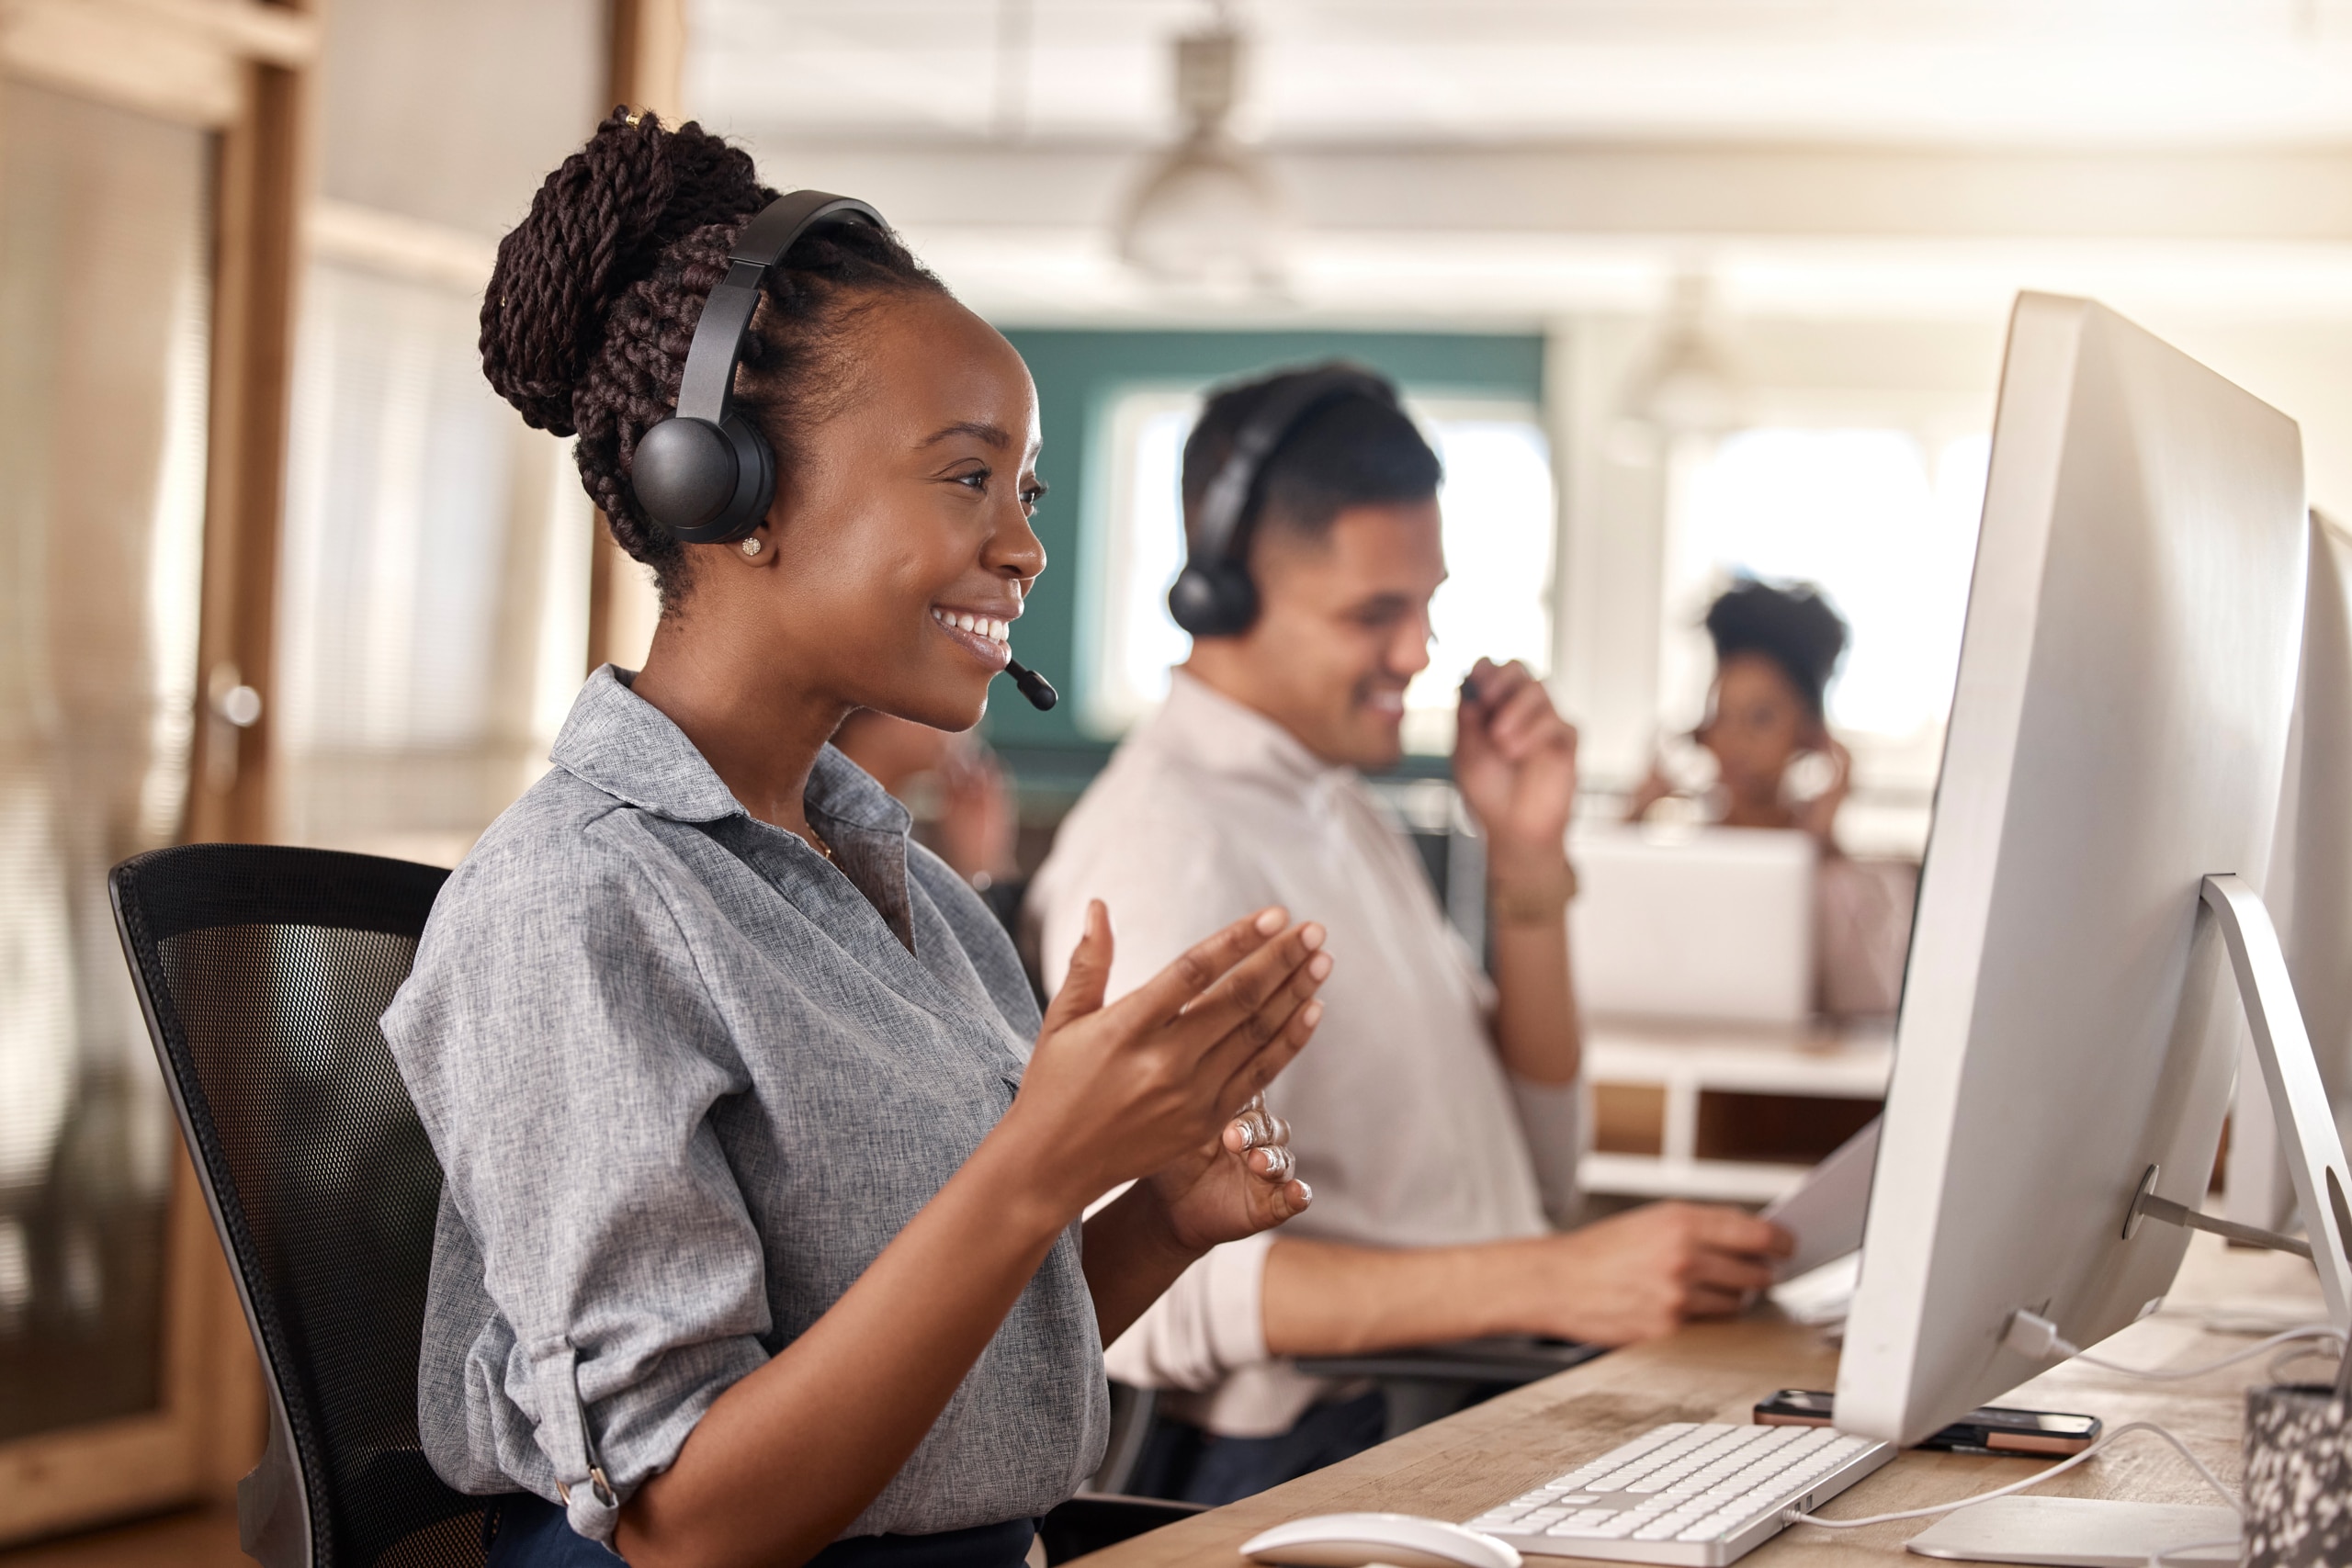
751	546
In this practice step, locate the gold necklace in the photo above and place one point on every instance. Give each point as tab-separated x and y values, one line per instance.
822	848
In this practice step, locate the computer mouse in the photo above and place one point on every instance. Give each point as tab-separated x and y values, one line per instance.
1403	1541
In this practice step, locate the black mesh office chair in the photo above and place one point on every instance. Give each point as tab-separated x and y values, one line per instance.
263	972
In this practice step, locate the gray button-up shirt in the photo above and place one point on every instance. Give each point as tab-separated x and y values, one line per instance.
686	1080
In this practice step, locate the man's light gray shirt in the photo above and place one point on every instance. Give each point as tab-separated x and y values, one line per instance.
686	1080
1403	1115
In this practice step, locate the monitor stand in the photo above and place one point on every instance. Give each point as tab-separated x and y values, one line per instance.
2082	1532
2307	1132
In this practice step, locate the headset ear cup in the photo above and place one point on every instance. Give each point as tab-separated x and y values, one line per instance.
1215	600
1190	601
704	483
1237	598
755	486
683	473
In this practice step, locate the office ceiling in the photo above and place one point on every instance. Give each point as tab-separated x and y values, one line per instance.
1882	158
1969	73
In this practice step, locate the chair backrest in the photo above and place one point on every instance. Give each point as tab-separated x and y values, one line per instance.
263	972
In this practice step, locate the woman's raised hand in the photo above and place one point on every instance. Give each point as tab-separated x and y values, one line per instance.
1153	1082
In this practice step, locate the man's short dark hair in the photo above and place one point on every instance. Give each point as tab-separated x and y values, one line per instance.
1359	451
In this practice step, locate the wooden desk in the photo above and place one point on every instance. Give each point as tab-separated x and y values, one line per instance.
1716	1372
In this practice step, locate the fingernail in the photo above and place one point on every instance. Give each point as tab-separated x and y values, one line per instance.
1269	921
1305	1193
1319	965
1311	1014
1312	935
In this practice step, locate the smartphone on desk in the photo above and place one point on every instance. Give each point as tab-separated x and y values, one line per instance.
1993	1429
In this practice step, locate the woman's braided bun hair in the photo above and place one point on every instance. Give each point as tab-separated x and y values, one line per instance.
596	295
1792	626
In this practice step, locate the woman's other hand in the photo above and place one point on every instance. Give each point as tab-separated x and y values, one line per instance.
1148	1085
1243	1183
1818	816
1660	785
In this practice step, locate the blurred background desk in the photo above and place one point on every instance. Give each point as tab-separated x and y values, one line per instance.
1726	1112
1716	1372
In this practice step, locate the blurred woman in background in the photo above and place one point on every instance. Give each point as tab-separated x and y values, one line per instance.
1776	651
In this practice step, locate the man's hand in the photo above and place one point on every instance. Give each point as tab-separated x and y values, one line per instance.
1644	1273
1515	762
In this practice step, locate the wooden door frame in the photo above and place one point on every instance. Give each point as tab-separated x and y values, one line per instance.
245	69
645	69
241	69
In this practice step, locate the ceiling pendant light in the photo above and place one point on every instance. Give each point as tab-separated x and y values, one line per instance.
1208	216
1690	383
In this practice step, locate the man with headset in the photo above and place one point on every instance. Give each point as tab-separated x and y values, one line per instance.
1437	1115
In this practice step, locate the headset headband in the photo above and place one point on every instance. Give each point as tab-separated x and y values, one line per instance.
1231	501
708	389
1214	597
705	475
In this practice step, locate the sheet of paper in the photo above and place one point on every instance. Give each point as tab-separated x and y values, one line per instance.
1826	1213
1822	1297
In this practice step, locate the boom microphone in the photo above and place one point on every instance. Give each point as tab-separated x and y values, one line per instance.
1034	686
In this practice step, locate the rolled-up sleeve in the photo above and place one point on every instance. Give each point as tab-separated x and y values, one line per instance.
567	1064
1552	1115
1209	1323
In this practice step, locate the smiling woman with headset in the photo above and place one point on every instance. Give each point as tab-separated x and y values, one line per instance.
761	1224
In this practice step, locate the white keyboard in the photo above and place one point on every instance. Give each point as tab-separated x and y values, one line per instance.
1685	1493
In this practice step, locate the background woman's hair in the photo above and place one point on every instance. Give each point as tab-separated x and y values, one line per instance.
596	294
1793	626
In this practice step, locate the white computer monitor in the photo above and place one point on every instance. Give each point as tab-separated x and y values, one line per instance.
2068	1018
2310	890
1709	924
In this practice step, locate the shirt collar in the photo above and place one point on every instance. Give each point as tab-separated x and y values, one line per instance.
1212	731
625	746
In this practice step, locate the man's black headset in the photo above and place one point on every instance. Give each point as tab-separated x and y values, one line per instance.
705	474
1214	595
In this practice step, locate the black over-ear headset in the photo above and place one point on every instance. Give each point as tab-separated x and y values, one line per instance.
705	475
1214	595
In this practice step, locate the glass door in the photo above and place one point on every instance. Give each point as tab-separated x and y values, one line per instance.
123	1382
104	253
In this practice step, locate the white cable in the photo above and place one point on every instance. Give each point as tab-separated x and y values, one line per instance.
1793	1516
2156	1558
2309	1331
2030	1334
